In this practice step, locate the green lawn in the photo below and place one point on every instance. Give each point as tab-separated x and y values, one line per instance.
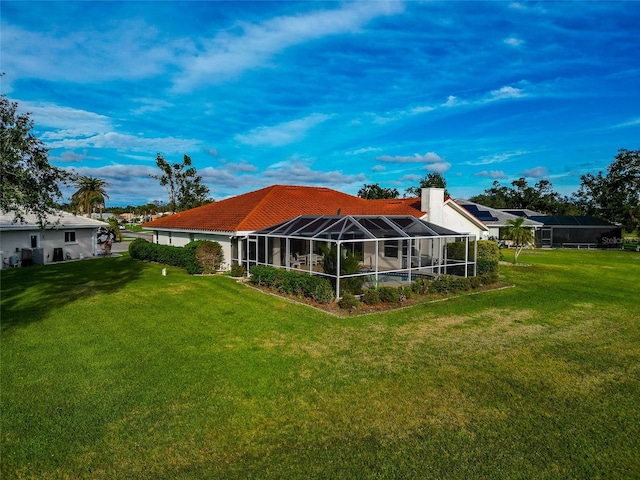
110	370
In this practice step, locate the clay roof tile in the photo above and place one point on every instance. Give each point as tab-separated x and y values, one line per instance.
271	205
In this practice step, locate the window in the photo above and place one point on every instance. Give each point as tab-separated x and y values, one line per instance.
69	237
34	241
391	248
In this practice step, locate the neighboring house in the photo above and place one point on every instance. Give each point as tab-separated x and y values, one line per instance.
102	216
67	236
229	222
562	231
496	219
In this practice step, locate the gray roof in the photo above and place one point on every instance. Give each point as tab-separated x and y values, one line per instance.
523	212
355	227
61	220
492	217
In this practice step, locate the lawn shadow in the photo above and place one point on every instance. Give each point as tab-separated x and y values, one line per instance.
29	294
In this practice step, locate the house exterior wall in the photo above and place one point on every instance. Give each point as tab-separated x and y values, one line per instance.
494	232
180	239
83	245
453	220
384	262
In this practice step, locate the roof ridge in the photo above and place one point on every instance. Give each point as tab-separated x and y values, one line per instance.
269	192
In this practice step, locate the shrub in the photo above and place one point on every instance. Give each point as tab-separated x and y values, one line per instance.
301	284
322	292
440	284
486	266
184	257
371	296
455	250
488	250
405	291
490	278
420	286
459	284
208	254
263	275
349	264
475	282
237	270
348	300
290	282
389	294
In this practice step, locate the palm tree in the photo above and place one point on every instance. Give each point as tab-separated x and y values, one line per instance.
90	192
520	235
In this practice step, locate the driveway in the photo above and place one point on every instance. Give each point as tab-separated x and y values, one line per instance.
124	245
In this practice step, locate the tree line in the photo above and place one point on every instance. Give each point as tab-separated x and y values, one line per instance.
31	185
613	195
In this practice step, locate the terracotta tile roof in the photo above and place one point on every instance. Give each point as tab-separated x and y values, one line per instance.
277	203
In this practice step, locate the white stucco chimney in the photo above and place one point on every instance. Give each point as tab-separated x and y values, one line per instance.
432	203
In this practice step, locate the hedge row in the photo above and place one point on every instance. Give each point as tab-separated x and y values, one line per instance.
301	284
487	250
452	284
195	257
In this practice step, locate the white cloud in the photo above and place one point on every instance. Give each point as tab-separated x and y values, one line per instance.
421	109
284	133
65	121
429	157
440	167
630	123
503	93
497	158
297	173
122	141
360	151
495	174
70	157
228	55
221	177
211	151
112	172
241	167
452	101
150	105
412	177
89	55
536	172
378	168
513	41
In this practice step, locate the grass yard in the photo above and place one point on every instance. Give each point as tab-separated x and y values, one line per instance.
110	370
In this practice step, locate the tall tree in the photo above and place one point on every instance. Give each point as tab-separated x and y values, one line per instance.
433	179
29	183
615	195
183	184
376	192
520	235
91	191
540	198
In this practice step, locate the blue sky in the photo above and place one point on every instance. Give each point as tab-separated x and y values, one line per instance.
327	93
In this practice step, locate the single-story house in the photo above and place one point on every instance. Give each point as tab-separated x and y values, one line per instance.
496	219
563	231
231	222
65	237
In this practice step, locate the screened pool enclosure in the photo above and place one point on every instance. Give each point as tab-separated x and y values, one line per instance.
388	248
